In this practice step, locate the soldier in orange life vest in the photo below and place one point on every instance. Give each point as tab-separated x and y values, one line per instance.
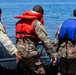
24	26
7	43
29	31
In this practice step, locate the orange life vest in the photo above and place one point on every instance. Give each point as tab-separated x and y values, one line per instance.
24	26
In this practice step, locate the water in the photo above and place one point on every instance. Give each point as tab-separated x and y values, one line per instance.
55	13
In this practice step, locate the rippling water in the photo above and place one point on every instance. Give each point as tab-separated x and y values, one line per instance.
56	11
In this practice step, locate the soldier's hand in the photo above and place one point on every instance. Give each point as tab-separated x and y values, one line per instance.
54	60
18	56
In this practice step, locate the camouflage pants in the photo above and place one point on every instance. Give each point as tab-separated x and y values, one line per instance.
67	66
31	64
28	67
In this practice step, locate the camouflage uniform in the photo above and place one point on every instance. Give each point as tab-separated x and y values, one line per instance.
7	43
28	45
67	53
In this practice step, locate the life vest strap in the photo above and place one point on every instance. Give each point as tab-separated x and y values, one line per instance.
25	33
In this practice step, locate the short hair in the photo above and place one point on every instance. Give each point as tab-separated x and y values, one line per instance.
38	9
74	13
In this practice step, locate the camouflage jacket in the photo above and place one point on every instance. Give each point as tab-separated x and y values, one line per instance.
65	49
30	44
42	34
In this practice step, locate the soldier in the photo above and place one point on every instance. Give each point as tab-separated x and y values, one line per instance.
29	31
7	43
65	43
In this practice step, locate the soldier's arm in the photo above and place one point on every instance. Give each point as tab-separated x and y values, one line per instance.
42	35
7	43
56	41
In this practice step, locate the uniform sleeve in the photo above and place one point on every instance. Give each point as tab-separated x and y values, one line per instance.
56	41
42	35
6	42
